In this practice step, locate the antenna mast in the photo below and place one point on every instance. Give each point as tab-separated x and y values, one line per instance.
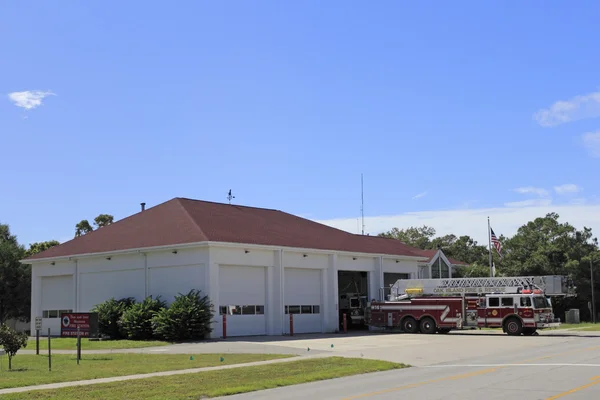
362	203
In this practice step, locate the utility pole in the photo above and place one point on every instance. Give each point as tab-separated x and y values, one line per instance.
593	295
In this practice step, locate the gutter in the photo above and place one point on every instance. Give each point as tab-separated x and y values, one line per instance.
221	244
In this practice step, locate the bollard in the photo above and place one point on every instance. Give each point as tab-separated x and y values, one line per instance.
345	324
224	326
291	324
37	342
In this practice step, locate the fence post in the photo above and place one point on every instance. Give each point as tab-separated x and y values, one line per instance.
225	326
49	353
78	345
291	324
345	324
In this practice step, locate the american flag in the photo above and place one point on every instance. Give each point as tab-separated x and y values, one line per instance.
496	243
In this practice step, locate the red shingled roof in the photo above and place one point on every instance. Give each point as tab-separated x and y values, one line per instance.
431	253
182	221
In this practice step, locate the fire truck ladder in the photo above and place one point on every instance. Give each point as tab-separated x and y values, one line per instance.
549	285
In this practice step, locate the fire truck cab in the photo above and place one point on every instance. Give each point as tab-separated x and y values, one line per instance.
518	305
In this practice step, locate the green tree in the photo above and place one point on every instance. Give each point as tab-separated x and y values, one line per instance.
546	246
83	227
38	247
103	220
12	342
419	237
15	279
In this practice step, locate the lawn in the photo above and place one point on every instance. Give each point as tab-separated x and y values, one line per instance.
582	327
71	344
33	370
218	383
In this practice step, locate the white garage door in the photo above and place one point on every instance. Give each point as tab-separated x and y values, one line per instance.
168	282
97	287
303	299
57	297
242	295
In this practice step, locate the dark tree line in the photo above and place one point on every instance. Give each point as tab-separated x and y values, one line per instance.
544	246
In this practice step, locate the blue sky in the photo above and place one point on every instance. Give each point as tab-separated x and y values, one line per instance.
288	103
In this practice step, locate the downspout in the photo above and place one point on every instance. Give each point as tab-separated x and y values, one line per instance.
146	277
282	291
76	308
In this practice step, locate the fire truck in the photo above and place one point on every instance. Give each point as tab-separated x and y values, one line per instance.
518	305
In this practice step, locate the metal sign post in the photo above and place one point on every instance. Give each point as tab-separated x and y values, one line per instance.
38	328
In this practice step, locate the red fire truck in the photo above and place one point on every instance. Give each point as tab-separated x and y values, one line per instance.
518	305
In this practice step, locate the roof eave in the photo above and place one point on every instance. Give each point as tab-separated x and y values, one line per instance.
222	244
114	252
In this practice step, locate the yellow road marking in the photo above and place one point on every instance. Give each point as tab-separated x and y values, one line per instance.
595	381
476	373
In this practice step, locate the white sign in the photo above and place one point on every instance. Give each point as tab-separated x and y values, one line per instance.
38	323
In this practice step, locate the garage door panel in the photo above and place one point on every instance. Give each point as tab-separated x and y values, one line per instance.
242	296
101	286
57	297
302	294
168	282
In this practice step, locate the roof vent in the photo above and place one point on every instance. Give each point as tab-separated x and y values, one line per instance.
143	206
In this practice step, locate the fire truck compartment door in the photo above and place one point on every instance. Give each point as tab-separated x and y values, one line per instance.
390	319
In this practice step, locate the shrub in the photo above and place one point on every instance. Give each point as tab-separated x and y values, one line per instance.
188	318
12	341
136	322
109	315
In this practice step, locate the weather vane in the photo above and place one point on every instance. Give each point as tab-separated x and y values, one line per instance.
230	196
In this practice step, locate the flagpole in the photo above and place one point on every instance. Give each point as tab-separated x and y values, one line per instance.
490	248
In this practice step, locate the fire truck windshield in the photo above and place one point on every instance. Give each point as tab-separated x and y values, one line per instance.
540	302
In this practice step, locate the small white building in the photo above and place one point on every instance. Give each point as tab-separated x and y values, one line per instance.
264	262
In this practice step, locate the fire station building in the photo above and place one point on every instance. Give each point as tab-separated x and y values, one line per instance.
262	263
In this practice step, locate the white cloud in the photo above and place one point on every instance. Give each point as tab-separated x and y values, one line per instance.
567	188
418	196
576	108
529	203
534	190
29	99
591	141
473	222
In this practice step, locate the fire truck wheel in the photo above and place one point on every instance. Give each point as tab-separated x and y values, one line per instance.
409	325
513	326
428	326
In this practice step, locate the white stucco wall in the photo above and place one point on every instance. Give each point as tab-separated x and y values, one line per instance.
165	273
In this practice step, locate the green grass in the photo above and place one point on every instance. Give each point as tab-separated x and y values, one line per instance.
33	370
71	344
582	327
218	383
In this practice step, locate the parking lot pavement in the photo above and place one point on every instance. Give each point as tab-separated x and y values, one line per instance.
474	366
417	349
